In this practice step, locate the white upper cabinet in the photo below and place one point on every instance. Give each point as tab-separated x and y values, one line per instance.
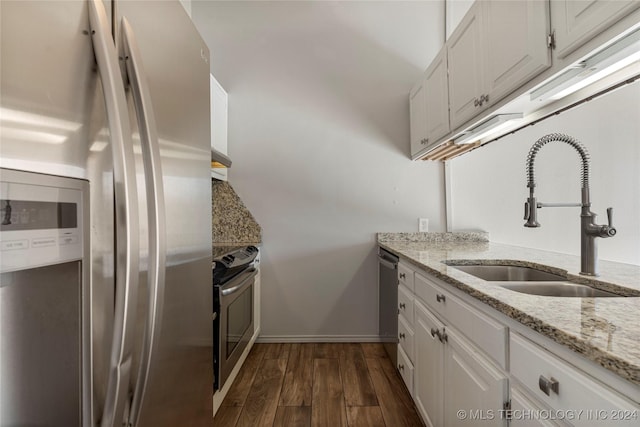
429	105
437	105
219	109
418	116
575	22
466	58
516	40
498	47
500	54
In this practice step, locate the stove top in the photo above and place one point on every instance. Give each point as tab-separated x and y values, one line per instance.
229	264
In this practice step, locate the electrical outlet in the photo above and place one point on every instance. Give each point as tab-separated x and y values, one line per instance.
423	224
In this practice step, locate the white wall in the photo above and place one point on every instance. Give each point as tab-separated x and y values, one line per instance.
319	138
455	11
187	6
489	184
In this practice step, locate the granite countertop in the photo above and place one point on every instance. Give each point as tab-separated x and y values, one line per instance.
604	330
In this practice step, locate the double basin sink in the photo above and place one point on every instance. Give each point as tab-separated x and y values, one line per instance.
531	281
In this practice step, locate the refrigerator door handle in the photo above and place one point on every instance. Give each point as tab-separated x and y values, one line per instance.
155	208
126	218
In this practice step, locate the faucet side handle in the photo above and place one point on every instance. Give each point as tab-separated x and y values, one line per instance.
610	229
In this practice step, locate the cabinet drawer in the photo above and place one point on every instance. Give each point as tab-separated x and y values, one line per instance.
405	276
405	304
405	367
576	391
431	294
487	334
523	405
405	337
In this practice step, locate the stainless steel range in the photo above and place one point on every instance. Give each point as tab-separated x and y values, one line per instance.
233	323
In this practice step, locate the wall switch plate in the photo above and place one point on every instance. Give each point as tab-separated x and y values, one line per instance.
423	224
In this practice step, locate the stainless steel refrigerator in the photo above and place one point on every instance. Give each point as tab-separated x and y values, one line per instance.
116	93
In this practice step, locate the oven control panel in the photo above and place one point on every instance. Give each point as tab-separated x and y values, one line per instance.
239	257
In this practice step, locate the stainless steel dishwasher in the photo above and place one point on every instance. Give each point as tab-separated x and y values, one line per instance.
388	302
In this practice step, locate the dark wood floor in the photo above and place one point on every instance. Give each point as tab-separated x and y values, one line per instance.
322	384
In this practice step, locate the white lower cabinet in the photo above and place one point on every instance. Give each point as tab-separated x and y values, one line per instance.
525	412
405	367
566	390
455	385
474	389
467	365
428	374
405	326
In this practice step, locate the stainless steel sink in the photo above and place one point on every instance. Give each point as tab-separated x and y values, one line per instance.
508	273
555	289
531	281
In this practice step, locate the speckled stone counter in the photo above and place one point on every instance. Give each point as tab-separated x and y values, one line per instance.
604	330
232	221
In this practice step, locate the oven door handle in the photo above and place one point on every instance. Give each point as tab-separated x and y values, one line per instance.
226	292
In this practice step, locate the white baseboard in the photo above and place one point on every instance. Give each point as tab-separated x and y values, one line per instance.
317	338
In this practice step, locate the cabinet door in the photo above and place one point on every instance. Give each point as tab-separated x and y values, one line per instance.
522	406
575	22
515	35
437	99
428	379
219	110
473	385
418	116
465	55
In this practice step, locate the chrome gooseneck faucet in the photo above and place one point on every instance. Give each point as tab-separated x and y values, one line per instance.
589	229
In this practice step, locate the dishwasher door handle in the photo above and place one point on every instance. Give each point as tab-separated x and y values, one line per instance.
387	263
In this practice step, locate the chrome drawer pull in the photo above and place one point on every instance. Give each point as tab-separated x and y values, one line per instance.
402	305
547	385
442	336
401	336
401	367
403	276
440	298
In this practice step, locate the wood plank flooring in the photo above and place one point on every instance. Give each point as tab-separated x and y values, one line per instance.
318	385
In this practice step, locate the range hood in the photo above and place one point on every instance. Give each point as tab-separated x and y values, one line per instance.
219	160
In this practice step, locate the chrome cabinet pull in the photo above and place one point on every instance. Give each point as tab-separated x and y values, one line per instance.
548	385
401	336
442	336
403	305
403	276
401	367
440	298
